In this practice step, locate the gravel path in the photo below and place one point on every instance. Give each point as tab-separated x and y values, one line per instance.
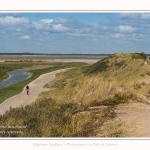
36	87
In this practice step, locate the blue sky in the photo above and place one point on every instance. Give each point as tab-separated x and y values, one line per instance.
77	32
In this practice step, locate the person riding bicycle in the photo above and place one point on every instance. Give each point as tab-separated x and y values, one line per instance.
27	88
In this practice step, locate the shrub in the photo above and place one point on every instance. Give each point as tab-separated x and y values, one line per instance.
139	56
115	100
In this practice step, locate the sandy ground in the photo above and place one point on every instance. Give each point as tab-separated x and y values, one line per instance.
23	99
135	117
87	58
89	61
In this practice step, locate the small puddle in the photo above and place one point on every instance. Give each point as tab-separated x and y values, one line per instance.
15	77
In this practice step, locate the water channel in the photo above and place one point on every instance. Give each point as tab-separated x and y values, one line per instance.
15	77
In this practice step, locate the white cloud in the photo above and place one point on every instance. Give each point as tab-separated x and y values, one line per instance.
118	35
129	15
10	20
145	15
54	21
137	39
104	28
39	26
60	20
77	34
18	30
25	37
137	35
60	28
126	28
134	15
94	39
47	21
48	25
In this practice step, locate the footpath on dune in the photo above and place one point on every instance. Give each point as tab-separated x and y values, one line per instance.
36	87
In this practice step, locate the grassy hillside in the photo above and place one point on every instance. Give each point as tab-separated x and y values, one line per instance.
81	101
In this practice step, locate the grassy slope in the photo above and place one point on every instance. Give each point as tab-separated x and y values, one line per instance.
83	100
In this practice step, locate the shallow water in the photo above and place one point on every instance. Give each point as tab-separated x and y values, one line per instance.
15	77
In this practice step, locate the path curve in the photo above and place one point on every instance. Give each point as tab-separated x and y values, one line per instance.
36	87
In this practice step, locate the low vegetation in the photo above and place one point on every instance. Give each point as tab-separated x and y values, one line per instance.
81	101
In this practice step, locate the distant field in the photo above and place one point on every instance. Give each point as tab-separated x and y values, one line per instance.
51	57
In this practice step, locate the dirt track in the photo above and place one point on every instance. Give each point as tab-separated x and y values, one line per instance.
23	99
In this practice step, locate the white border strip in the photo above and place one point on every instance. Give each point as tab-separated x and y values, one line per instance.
77	5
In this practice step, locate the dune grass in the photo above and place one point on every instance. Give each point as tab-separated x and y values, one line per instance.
82	100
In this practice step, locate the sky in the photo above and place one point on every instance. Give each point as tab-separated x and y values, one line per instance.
75	32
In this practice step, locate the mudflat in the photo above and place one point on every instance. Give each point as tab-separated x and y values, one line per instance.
87	58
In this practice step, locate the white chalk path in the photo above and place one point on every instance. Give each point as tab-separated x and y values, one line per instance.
36	87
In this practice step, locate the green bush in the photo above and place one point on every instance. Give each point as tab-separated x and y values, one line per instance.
115	100
139	56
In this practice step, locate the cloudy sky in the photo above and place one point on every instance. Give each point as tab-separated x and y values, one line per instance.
85	32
